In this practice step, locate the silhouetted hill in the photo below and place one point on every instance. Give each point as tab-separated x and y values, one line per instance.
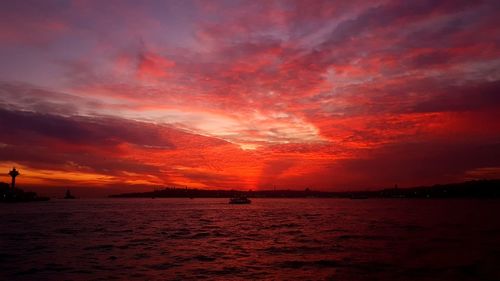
469	189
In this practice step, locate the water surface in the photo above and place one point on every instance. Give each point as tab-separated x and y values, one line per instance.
271	239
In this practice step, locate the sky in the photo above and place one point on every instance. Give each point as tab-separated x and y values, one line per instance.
327	95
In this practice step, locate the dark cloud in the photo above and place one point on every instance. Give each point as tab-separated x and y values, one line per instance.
100	131
429	162
409	164
49	157
469	97
26	97
395	13
76	143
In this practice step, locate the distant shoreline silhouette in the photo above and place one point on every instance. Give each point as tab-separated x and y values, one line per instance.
469	189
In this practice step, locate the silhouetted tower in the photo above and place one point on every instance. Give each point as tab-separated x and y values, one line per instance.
13	173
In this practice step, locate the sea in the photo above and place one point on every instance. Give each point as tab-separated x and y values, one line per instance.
270	239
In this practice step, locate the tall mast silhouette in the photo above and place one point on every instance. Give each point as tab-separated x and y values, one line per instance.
13	173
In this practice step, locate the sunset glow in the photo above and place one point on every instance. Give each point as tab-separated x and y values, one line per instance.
249	94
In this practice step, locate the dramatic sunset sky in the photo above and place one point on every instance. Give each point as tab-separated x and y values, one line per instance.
330	95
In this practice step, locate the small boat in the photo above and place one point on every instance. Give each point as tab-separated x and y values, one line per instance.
240	200
69	195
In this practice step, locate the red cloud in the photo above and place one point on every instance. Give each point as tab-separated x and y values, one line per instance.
153	65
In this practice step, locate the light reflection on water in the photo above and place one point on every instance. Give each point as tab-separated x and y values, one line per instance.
284	239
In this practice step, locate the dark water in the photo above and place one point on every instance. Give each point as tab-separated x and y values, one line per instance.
271	239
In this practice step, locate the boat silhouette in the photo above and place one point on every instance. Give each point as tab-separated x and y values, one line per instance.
240	200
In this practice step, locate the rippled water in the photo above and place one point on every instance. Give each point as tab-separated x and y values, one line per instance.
273	239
